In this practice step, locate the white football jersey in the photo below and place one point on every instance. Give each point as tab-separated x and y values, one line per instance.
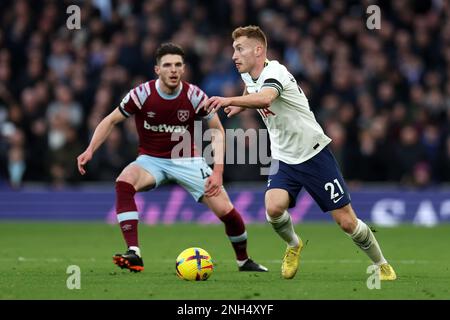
295	135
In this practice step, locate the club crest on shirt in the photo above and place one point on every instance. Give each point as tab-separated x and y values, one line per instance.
183	115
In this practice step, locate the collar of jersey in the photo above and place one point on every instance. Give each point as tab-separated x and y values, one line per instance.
168	96
265	65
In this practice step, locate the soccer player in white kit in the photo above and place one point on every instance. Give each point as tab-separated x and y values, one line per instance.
300	156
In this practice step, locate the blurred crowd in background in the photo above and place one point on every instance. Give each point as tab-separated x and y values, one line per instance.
383	96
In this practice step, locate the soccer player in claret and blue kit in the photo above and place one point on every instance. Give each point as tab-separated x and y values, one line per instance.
161	108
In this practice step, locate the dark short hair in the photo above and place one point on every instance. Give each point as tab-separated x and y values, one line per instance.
168	48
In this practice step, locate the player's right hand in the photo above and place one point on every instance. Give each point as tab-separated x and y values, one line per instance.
232	110
82	159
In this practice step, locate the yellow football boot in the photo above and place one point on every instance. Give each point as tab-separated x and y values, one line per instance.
387	272
291	261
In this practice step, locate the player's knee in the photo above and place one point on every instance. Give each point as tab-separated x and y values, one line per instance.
346	219
128	176
274	210
347	223
127	180
223	209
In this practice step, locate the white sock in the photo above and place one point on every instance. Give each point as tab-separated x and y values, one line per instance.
135	249
284	227
364	238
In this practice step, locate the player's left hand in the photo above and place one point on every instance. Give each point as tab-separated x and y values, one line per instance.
213	184
82	159
213	104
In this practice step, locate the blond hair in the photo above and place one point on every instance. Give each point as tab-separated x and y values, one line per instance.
251	32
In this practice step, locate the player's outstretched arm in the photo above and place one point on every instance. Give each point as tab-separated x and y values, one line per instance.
260	100
101	132
233	110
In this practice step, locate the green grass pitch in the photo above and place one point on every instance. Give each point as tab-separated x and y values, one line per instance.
34	258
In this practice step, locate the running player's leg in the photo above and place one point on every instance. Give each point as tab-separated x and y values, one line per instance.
192	174
277	202
132	179
364	238
322	178
281	194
